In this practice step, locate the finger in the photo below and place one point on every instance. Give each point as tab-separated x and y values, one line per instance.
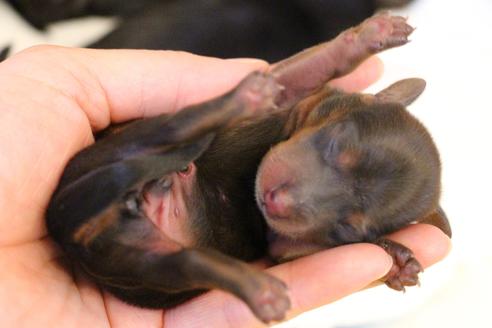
315	280
118	85
428	243
416	237
364	75
165	81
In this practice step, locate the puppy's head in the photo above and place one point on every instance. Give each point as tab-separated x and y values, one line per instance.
360	167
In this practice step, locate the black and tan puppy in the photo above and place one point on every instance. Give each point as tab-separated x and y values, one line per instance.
355	168
161	209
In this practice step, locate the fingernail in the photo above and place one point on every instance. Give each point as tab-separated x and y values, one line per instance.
249	61
389	261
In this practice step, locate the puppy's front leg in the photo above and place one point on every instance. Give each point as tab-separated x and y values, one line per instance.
310	69
406	268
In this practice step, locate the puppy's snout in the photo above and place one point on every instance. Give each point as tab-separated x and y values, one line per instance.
278	202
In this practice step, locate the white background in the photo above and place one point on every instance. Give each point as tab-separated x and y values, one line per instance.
452	51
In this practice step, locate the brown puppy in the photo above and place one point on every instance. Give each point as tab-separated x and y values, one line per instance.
356	167
161	209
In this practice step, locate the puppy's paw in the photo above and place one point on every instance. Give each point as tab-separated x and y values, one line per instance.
405	269
267	297
382	31
257	92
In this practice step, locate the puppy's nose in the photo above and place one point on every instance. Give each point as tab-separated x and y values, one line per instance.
278	202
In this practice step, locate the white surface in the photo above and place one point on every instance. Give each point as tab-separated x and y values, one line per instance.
452	50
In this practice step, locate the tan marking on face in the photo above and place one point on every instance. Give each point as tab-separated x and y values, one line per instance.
86	233
368	99
337	115
348	159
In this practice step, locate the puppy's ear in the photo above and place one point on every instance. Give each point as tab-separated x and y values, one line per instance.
403	92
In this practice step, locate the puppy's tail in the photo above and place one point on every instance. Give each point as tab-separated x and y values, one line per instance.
4	53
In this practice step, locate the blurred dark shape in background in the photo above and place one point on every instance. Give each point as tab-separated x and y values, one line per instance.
4	53
40	13
268	29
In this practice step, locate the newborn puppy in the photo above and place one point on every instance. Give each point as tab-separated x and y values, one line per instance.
161	209
356	168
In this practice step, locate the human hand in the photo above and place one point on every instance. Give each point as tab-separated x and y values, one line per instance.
52	100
